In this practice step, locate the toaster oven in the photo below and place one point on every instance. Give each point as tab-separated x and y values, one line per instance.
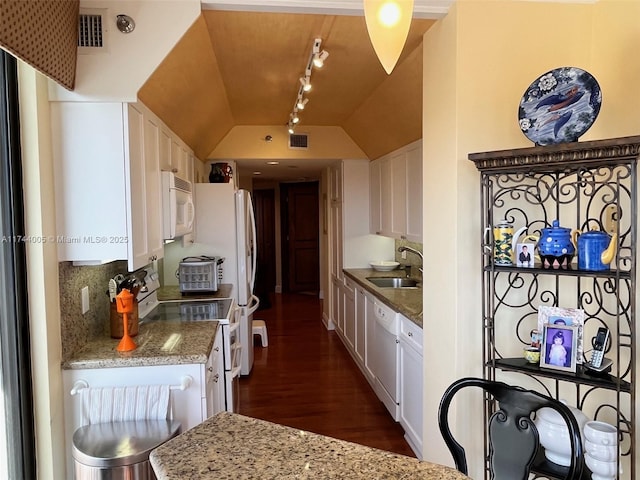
200	274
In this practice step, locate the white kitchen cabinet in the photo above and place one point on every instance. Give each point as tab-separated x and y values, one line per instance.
152	186
165	148
375	204
337	302
214	392
187	405
369	354
414	193
360	347
349	314
396	194
386	196
411	383
106	194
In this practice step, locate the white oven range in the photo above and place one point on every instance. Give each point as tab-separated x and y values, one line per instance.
223	310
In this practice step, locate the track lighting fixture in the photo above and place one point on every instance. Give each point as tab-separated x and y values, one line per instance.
316	59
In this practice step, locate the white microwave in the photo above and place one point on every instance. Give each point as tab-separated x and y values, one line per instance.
177	206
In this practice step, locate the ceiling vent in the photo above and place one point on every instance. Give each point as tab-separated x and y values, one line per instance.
92	34
299	141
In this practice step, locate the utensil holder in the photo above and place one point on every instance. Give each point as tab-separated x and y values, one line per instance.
116	321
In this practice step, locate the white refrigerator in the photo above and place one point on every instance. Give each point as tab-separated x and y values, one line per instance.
225	226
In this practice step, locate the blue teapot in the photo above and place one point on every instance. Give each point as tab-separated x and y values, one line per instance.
556	245
596	250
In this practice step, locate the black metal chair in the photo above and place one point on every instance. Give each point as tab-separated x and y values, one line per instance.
513	437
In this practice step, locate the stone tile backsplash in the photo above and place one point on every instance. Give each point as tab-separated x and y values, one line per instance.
76	328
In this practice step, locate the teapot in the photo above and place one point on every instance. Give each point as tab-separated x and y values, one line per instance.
596	250
504	242
556	245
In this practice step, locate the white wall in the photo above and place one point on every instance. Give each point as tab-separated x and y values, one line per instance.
42	274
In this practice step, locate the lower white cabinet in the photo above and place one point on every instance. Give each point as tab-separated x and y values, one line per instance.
387	347
411	383
350	314
337	302
214	391
360	347
201	399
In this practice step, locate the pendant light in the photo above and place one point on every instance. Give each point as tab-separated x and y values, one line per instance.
388	23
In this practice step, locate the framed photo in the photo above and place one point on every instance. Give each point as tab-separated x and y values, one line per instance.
524	254
559	347
573	317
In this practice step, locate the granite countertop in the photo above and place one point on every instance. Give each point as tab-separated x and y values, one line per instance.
231	446
159	343
407	301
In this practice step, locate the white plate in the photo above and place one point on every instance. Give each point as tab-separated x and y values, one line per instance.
384	266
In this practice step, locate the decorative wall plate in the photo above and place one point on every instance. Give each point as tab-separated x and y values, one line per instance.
559	106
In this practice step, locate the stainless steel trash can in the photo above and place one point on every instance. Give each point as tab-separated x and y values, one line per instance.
119	450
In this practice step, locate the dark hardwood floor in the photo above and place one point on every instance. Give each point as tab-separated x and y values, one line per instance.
306	379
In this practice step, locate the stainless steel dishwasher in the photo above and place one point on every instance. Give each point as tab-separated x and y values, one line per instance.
386	350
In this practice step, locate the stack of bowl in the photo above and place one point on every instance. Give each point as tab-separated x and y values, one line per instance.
601	450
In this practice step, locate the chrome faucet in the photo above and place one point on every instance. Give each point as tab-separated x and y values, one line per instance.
413	250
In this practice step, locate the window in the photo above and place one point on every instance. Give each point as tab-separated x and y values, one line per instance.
17	436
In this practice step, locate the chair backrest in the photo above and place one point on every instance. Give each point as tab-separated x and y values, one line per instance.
513	437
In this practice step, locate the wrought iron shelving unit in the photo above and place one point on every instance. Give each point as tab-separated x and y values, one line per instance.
586	186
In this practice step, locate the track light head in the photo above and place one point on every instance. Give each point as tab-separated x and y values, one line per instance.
301	103
306	83
319	58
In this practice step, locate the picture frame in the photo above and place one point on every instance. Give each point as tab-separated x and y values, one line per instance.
568	316
558	350
525	254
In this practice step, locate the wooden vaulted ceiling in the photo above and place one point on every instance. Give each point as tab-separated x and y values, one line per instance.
242	68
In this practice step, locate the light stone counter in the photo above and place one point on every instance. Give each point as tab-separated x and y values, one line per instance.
231	446
407	301
159	343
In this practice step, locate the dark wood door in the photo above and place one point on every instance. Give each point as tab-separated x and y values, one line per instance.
264	204
300	237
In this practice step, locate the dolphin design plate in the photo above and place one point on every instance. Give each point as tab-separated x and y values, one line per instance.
559	106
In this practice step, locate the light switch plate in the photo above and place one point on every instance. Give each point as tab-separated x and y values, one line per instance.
85	299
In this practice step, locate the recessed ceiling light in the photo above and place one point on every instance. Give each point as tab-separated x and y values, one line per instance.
273	162
257	173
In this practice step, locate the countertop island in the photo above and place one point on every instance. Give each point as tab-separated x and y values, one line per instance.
231	446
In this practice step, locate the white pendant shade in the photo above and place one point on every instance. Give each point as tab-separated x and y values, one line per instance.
388	23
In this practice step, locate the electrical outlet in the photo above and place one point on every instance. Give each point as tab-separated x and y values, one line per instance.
85	299
403	255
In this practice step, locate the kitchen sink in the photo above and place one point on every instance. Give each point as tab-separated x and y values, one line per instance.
393	282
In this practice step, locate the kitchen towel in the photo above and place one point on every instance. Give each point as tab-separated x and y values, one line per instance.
119	404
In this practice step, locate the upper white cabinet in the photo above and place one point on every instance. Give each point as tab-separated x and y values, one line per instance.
107	159
396	194
175	155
